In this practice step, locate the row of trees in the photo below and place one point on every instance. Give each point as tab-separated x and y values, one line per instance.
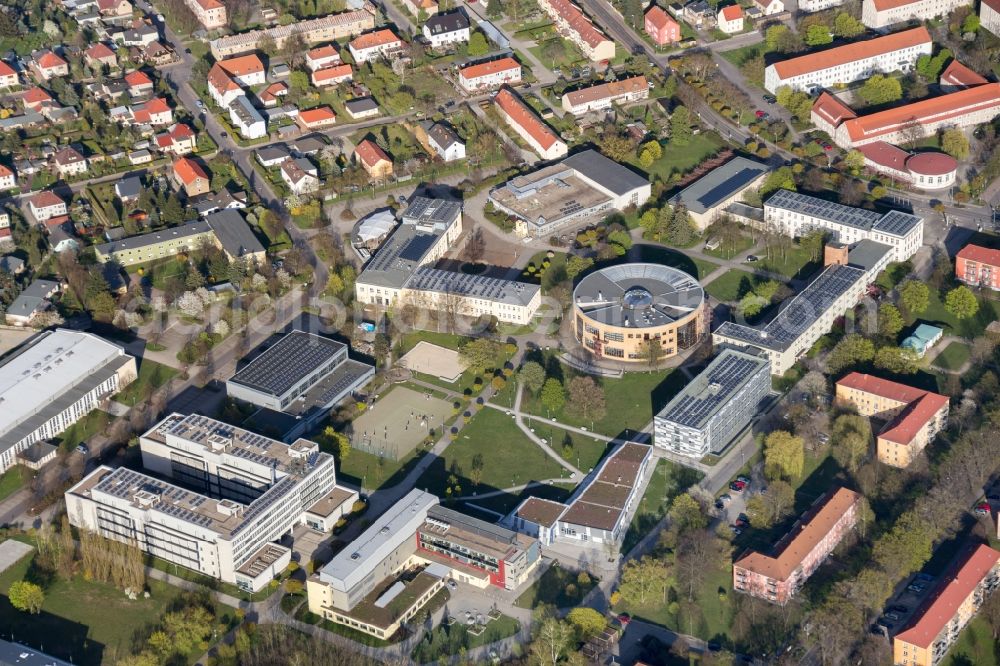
581	396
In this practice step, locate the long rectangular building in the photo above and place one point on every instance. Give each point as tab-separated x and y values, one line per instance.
603	95
978	266
236	494
574	25
715	406
51	382
534	131
777	576
955	599
794	214
878	14
324	29
850	62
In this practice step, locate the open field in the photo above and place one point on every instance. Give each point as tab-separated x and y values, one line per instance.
398	421
727	287
151	376
953	357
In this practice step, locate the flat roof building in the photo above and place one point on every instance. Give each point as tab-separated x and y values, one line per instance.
708	196
51	382
579	189
16	654
778	576
913	416
302	375
715	406
237	493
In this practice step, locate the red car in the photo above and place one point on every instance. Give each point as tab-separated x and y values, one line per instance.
737	486
624	619
759	113
982	509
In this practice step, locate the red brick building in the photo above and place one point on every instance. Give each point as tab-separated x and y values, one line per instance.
778	576
978	266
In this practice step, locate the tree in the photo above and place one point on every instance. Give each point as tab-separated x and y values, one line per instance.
784	455
26	597
847	26
494	9
955	143
915	296
553	395
897	360
780	39
961	303
644	580
687	514
817	35
769	508
587	621
890	321
532	376
854	160
680	126
586	398
481	354
971	23
880	89
551	641
651	351
851	435
476	469
478	46
340	443
475	247
577	264
852	350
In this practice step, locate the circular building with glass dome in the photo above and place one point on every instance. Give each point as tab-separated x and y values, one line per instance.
617	310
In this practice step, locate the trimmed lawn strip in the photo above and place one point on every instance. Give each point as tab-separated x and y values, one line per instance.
729	286
682	159
730	250
797	262
460	640
551	588
953	357
375	472
10	482
84	429
507	502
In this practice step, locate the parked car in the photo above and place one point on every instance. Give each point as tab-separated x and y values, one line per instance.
83	448
737	486
982	509
760	114
892	616
727	498
744	479
719	505
898	608
736	530
624	619
751	258
916	588
770	99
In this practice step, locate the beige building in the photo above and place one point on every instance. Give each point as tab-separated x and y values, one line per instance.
313	31
603	95
622	312
879	14
574	25
913	416
989	15
210	13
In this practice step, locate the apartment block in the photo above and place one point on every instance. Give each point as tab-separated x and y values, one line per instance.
233	494
660	27
989	15
913	416
574	25
526	124
487	75
603	95
313	31
210	13
877	14
956	598
978	266
777	576
850	62
715	407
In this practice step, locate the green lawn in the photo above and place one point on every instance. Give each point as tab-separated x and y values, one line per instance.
151	376
509	457
158	272
84	429
457	639
374	471
554	588
507	502
730	285
953	357
10	482
728	250
567	57
668	481
975	645
936	315
682	159
81	621
583	452
742	54
794	263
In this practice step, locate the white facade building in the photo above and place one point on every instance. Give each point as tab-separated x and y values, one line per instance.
492	74
851	62
989	15
247	119
442	30
878	14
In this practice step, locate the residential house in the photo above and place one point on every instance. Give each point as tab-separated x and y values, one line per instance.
191	177
373	45
61	235
603	95
221	86
246	70
415	7
322	57
141	34
271	95
300	175
99	55
373	159
38	99
273	155
45	205
769	7
362	107
699	14
660	27
158	54
140	157
527	125
330	76
318	118
8	77
139	83
7	179
492	74
224	200
179	139
154	112
445	142
730	19
114	8
312	31
11	264
129	189
247	119
210	13
443	30
574	25
48	65
69	162
32	301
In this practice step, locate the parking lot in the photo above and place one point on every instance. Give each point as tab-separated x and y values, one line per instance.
900	607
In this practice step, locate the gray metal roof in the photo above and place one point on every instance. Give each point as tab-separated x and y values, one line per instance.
234	233
245	111
11	264
152	238
867	254
278	151
15	654
129	187
473	286
32	297
639	295
604	172
720	184
361	104
713	388
442	135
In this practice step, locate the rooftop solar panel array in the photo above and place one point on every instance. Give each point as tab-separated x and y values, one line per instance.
725	189
288	362
895	222
474	286
713	388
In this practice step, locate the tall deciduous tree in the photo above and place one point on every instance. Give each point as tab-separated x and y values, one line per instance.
890	321
553	395
914	296
586	398
961	302
532	376
784	455
851	350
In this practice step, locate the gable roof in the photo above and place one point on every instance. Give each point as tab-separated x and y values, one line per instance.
957	74
99	51
370	40
839	55
524	116
578	22
242	65
220	80
658	17
6	70
46	199
36	95
979	254
48	60
369	152
732	12
487	68
921	405
607	90
189	171
138	78
336	72
317	115
441	24
320	52
831	109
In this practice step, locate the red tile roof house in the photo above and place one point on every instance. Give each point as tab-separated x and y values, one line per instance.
373	159
492	74
114	7
36	98
317	118
955	599
329	76
139	83
49	65
928	170
532	129
222	87
374	45
730	19
660	27
8	77
322	57
269	96
778	576
154	112
246	70
978	266
210	13
190	176
179	139
914	416
46	205
7	179
99	55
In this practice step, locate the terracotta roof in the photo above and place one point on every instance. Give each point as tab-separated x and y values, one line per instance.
321	52
957	74
992	4
209	4
607	90
164	140
99	52
188	171
658	17
840	55
932	109
220	80
804	537
243	65
540	511
831	109
885	154
487	68
954	588
373	39
46	199
5	232
36	95
4	171
921	405
732	12
979	254
6	70
578	22
328	73
932	163
155	105
138	78
317	115
369	153
49	60
524	116
181	131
